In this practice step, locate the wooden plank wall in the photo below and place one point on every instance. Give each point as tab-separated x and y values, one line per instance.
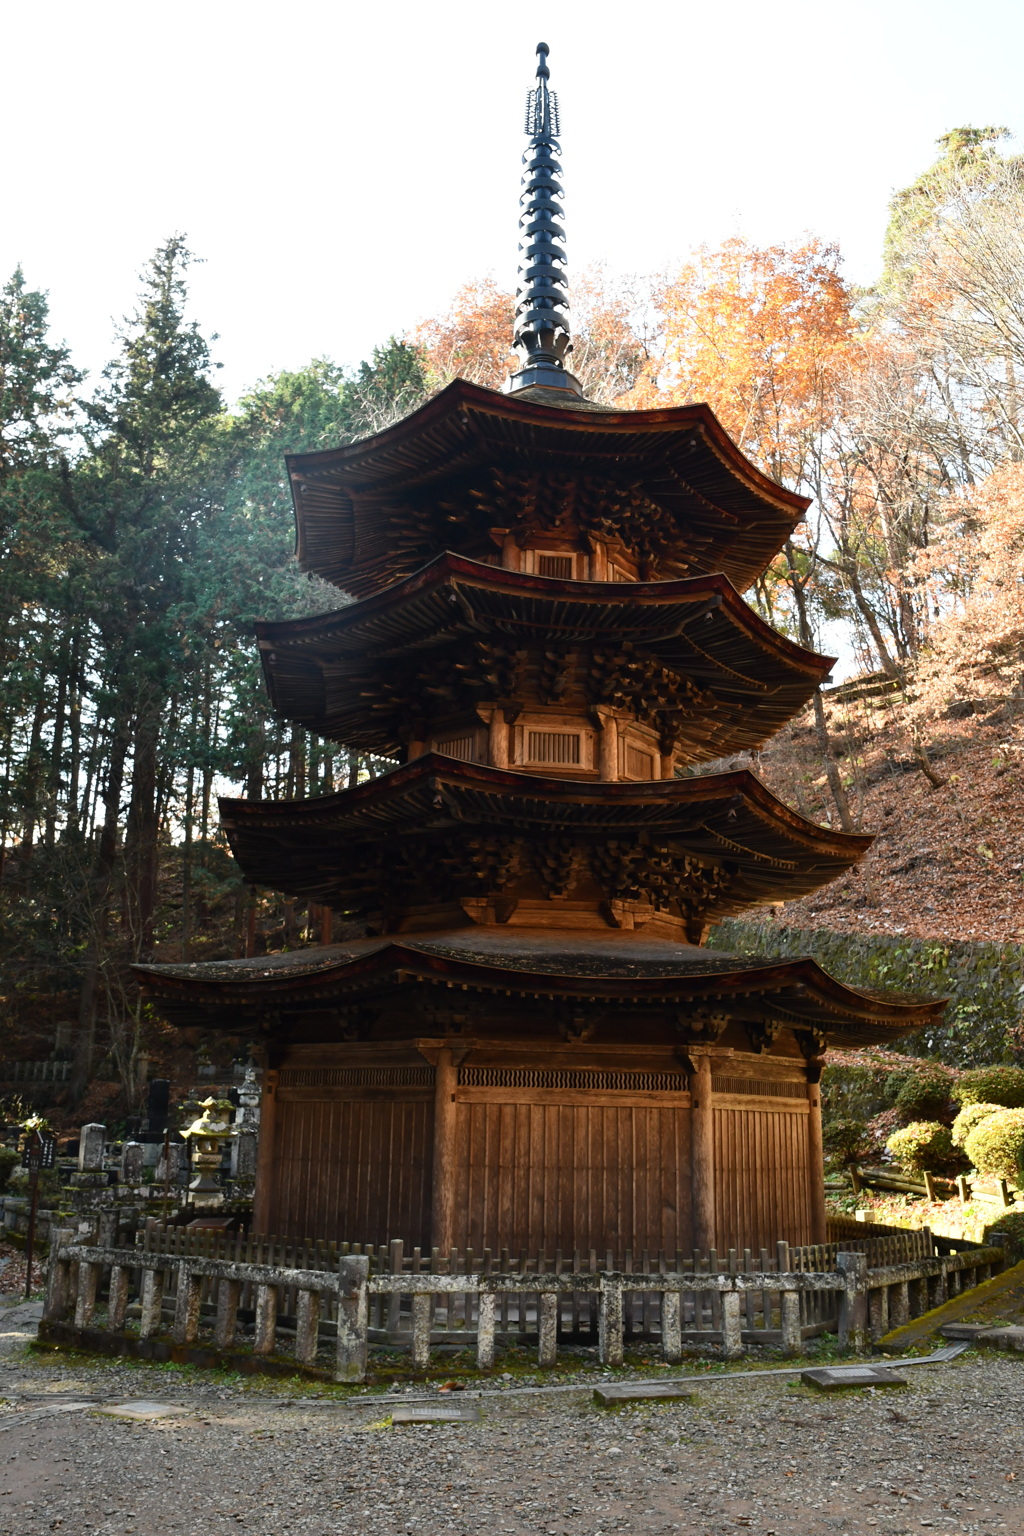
549	1176
762	1184
356	1166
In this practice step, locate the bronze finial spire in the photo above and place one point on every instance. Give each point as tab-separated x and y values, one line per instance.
541	335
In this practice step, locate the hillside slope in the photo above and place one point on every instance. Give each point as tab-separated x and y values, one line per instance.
947	862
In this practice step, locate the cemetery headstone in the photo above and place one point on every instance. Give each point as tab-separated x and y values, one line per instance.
90	1148
132	1163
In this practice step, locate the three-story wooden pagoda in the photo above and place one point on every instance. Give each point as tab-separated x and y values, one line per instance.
530	1047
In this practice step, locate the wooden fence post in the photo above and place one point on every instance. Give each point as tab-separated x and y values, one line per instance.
853	1304
350	1363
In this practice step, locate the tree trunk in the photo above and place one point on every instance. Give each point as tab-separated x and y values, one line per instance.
98	907
835	782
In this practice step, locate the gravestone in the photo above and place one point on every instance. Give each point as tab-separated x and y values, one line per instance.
90	1148
168	1169
247	1124
132	1163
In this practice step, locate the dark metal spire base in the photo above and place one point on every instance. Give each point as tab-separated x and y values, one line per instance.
543	376
541	335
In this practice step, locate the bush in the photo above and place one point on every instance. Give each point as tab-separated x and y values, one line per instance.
970	1116
992	1085
9	1160
996	1146
925	1146
846	1142
923	1096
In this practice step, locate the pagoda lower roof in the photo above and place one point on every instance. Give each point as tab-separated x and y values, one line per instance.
350	502
313	848
328	673
620	969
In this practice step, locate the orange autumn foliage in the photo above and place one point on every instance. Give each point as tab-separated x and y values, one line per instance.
761	335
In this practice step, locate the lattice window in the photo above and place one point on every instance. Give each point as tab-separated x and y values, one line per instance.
762	1088
357	1077
462	747
555	565
553	747
639	765
569	1077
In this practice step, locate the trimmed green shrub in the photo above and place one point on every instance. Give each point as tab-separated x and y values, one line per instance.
992	1085
9	1160
970	1116
924	1095
924	1146
846	1142
996	1146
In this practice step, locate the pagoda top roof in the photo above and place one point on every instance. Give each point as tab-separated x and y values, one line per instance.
352	504
621	968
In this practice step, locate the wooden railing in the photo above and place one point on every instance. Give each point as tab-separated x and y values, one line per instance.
124	1298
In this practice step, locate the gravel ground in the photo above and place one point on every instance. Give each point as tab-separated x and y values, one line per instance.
767	1455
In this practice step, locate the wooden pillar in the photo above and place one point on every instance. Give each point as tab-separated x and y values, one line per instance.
446	1077
816	1164
608	748
598	561
510	556
703	1152
497	739
263	1200
667	765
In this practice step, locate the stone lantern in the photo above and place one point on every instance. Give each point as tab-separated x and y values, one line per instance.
207	1135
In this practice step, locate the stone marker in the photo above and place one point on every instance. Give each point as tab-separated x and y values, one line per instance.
140	1408
421	1414
131	1163
90	1148
837	1378
644	1392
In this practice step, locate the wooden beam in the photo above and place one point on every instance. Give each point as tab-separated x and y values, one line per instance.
703	1152
816	1165
263	1199
445	1115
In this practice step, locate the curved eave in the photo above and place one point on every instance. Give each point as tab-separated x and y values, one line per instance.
699	626
311	848
467	427
530	796
797	990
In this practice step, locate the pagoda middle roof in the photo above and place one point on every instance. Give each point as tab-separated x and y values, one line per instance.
349	501
320	670
311	848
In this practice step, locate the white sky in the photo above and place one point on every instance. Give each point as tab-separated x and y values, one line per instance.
343	167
